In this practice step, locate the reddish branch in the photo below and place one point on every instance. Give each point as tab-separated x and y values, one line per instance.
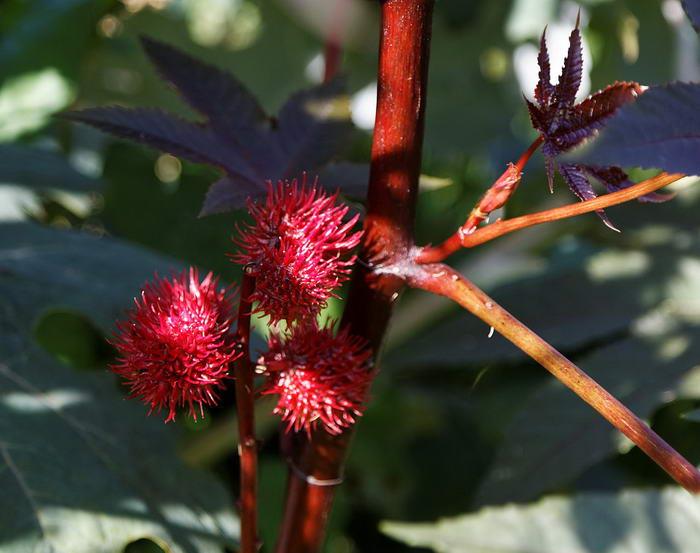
247	447
495	197
332	53
443	280
316	463
527	154
333	50
433	254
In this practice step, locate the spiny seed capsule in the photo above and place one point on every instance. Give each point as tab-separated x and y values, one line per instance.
175	346
319	377
297	249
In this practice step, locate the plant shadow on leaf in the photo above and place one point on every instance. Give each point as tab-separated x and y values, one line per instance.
644	521
74	453
626	312
72	339
144	545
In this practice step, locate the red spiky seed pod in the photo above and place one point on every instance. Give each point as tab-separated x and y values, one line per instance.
297	249
175	346
320	378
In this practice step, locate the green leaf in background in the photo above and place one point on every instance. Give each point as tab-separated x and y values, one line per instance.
41	169
165	216
653	521
42	44
556	436
693	415
82	469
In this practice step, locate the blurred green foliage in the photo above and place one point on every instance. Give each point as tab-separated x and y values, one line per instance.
458	420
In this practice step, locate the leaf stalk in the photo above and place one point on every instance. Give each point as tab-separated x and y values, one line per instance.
443	280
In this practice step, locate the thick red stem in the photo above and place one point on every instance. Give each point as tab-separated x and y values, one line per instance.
445	281
247	446
316	464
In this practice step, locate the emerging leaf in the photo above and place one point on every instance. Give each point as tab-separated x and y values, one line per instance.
544	88
570	78
564	125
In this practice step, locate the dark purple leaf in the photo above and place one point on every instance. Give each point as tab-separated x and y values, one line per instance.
159	130
537	118
660	130
570	79
229	193
564	125
614	179
577	180
231	110
544	88
692	9
597	107
212	92
591	114
549	166
252	149
314	125
351	179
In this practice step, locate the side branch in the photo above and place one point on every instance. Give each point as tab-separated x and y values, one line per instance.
445	281
433	254
248	447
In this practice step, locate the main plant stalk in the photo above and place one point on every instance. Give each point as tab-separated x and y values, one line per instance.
316	464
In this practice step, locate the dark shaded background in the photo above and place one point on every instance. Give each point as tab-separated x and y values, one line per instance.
457	420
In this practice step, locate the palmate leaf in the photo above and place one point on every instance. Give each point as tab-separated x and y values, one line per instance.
251	148
231	111
161	130
660	130
312	127
634	521
591	114
81	469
